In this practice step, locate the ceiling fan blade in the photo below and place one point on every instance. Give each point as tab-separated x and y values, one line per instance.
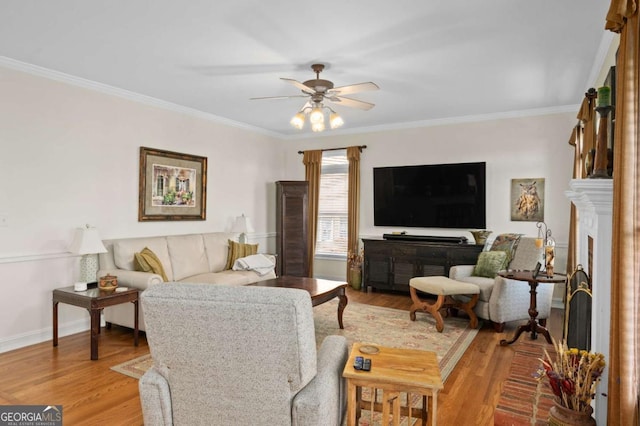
353	88
354	103
305	89
277	97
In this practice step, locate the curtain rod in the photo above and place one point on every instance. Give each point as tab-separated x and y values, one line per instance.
335	149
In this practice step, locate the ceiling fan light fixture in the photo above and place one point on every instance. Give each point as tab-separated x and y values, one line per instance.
316	116
335	120
318	91
298	121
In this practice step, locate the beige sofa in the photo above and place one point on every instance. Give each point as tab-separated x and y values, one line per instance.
193	258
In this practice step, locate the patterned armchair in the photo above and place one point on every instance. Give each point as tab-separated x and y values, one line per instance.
503	300
238	356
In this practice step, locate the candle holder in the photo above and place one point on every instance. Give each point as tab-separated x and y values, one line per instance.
588	152
600	161
548	255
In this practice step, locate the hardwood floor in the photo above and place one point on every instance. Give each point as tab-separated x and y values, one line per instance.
92	394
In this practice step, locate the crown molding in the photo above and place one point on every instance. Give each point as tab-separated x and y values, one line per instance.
444	121
148	100
125	94
606	41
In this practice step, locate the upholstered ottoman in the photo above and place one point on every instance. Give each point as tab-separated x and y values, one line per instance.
444	288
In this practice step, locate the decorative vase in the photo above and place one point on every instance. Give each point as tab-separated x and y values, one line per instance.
563	416
355	278
481	236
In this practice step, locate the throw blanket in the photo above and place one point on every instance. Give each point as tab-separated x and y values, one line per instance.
258	263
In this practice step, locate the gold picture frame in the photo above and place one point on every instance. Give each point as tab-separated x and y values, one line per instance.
172	186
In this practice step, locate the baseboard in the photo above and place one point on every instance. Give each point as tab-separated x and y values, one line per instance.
557	303
42	335
330	277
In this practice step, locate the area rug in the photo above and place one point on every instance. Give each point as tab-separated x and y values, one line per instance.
524	399
374	325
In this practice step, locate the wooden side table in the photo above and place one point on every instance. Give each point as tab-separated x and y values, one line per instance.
532	325
94	300
394	371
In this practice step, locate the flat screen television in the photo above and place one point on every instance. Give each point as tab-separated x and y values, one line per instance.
430	196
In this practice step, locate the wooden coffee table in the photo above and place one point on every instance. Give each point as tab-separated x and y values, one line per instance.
394	371
320	290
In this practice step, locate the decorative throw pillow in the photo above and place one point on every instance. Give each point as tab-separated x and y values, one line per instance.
238	250
489	263
147	261
506	243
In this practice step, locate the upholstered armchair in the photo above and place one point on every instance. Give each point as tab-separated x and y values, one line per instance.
502	300
238	356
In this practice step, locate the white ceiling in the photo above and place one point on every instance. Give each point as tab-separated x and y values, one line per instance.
433	60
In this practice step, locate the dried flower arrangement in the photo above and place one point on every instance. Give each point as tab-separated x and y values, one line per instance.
355	260
573	376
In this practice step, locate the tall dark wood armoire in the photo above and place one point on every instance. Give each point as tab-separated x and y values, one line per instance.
292	228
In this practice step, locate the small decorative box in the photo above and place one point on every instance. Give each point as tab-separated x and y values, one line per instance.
108	282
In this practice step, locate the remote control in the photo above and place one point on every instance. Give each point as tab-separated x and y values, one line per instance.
366	365
358	363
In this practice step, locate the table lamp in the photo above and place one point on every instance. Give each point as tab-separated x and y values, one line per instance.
87	242
242	225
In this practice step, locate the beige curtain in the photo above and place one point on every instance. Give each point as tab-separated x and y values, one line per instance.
587	115
576	141
624	346
353	238
583	139
313	163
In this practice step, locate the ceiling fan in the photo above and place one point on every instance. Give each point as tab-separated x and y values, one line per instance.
318	91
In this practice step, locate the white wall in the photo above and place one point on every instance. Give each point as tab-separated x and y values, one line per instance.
525	147
69	156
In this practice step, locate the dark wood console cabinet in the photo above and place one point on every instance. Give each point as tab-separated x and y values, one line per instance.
390	264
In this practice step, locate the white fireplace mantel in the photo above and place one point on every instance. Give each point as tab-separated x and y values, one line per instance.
593	199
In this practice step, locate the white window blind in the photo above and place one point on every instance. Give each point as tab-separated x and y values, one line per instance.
333	204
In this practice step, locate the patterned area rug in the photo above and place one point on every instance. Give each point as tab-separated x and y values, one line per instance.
374	325
524	399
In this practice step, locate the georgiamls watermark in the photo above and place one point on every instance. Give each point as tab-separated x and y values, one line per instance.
30	415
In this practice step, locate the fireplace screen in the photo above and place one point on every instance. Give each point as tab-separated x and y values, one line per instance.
577	311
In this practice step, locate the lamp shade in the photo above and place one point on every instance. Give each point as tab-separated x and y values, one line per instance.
316	116
317	127
87	241
335	120
298	121
242	225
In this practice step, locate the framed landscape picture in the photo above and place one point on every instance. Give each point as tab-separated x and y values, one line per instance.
527	200
172	186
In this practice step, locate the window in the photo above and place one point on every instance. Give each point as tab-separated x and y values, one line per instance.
333	205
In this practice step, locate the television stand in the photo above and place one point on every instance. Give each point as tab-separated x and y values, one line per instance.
426	238
389	264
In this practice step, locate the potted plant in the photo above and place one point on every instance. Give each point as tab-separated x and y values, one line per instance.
573	377
354	261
